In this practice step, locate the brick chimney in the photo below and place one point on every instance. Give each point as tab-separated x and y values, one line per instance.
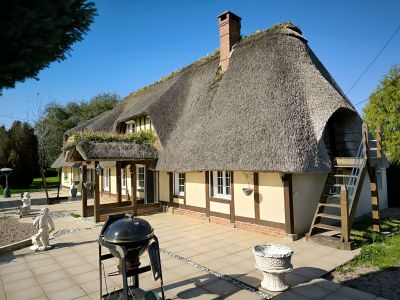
229	35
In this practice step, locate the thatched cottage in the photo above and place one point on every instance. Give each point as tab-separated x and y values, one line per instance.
248	136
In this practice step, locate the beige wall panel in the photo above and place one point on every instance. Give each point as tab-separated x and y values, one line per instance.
220	207
195	189
179	200
164	186
272	205
244	205
307	189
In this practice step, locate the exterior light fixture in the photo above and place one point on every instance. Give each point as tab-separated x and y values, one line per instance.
98	169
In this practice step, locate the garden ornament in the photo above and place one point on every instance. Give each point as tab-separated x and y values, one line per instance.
40	240
25	209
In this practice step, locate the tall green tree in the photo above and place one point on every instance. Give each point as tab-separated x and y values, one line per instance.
57	118
19	151
35	33
384	108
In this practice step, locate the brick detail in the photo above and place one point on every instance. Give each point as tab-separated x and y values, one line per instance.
223	221
229	34
190	213
261	229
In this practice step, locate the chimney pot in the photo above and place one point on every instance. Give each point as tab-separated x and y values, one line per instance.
229	35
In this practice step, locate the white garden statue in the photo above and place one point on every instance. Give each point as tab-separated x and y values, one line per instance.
25	209
42	223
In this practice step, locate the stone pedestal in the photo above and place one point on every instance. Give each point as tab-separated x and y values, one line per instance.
274	262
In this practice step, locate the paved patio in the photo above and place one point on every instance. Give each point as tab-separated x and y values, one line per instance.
193	250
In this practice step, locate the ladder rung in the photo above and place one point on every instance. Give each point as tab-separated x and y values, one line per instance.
329	216
343	166
373	149
330	205
342	175
331	195
328	227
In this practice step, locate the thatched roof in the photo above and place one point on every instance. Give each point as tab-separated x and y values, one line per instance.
267	113
91	151
60	162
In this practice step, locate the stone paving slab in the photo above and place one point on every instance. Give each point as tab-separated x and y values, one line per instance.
70	270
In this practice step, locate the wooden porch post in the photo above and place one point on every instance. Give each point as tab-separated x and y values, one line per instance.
171	189
118	185
96	206
288	198
133	187
344	209
84	191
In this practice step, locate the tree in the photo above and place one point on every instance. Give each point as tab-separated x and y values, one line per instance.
384	108
55	119
35	33
19	151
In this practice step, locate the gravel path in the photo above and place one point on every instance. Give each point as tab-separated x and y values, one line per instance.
12	231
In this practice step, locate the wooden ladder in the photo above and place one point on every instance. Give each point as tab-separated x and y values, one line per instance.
338	202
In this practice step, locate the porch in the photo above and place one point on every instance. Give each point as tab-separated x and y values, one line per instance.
197	258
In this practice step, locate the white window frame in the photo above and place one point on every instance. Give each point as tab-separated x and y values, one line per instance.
106	179
222	184
138	180
179	184
130	127
123	178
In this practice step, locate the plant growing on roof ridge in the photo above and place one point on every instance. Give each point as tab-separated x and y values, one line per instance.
143	137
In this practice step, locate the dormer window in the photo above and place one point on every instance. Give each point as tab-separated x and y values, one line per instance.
130	127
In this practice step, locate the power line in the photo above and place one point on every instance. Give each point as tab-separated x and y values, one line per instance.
375	58
14	118
378	92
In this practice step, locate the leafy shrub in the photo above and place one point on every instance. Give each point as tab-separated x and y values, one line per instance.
143	137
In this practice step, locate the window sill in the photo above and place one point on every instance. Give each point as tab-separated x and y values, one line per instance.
221	199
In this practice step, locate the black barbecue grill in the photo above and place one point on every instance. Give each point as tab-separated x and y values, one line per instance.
127	238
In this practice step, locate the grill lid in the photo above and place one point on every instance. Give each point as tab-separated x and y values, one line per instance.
128	230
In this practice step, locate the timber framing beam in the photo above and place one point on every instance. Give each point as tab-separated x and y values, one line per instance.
84	191
133	187
288	198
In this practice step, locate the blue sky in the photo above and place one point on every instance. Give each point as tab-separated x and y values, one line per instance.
134	43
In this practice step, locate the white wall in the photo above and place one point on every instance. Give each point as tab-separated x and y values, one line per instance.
307	189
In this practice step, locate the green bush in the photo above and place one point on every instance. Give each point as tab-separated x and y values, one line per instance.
143	137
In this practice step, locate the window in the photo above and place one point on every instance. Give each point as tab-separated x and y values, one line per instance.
222	184
148	121
140	177
123	178
179	183
130	127
106	179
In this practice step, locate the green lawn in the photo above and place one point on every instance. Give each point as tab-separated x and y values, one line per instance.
377	250
36	186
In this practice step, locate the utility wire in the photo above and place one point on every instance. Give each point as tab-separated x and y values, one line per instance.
14	118
378	92
375	58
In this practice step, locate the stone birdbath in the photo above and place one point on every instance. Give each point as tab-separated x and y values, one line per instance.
274	261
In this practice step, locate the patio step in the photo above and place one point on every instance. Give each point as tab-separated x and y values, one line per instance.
330	241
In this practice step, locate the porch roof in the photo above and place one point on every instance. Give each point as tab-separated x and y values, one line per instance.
110	151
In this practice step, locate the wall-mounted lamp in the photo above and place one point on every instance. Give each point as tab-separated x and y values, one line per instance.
98	169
